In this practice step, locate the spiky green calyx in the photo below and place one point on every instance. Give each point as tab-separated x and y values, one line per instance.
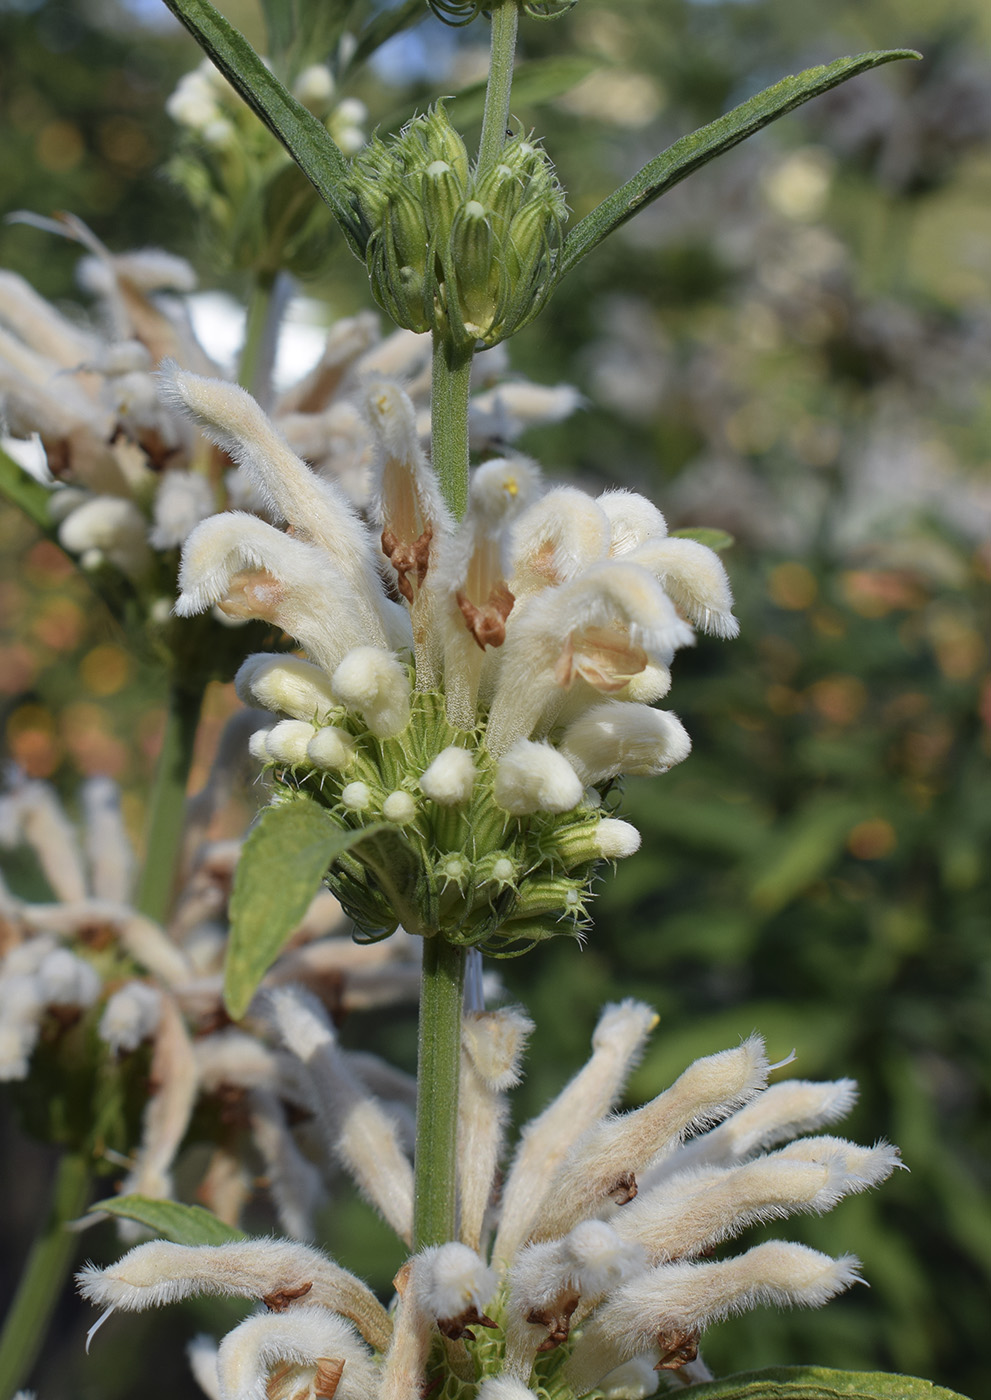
471	256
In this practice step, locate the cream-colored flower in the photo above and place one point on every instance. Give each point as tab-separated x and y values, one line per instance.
589	1271
475	702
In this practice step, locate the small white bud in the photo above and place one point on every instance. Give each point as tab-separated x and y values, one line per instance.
258	745
621	737
450	777
351	110
315	86
130	1016
288	740
503	871
399	807
534	777
357	797
286	684
66	980
454	1281
616	839
113	528
183	499
375	684
331	748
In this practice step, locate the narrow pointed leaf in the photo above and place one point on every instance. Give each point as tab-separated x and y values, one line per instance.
539	80
385	25
821	1383
707	535
695	150
282	866
173	1221
303	136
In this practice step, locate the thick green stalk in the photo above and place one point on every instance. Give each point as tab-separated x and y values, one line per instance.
167	814
495	121
26	1324
437	1070
265	308
449	422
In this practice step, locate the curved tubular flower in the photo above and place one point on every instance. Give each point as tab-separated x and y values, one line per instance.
585	1277
273	1355
278	1273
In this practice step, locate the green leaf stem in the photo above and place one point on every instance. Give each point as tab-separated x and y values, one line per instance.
695	150
284	860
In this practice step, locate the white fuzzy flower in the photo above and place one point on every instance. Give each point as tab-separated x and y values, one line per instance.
450	777
374	684
536	778
131	1015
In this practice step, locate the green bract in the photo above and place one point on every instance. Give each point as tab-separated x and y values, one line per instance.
470	255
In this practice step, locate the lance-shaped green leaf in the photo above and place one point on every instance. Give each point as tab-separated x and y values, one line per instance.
282	865
821	1383
718	540
303	136
701	146
385	25
176	1222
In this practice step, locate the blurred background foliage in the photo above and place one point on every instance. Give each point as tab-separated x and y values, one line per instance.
794	346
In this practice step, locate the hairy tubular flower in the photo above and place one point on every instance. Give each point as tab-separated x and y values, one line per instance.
592	1286
483	715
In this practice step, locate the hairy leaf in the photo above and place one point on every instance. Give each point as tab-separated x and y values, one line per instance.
285	858
821	1383
180	1223
695	150
707	535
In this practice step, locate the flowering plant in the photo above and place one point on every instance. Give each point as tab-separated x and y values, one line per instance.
446	758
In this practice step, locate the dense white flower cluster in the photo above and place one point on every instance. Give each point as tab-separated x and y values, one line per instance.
473	687
134	477
87	980
591	1272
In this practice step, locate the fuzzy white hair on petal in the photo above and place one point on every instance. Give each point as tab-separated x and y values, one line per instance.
535	777
374	683
450	777
285	684
694	578
620	736
632	519
182	500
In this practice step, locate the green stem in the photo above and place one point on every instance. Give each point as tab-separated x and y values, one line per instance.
438	1069
26	1324
449	422
167	815
505	21
269	295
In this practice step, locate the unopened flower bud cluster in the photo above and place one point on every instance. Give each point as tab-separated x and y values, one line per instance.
466	251
473	715
236	173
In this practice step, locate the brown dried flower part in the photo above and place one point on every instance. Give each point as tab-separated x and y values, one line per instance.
280	1301
408	559
487	624
624	1190
556	1319
677	1349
